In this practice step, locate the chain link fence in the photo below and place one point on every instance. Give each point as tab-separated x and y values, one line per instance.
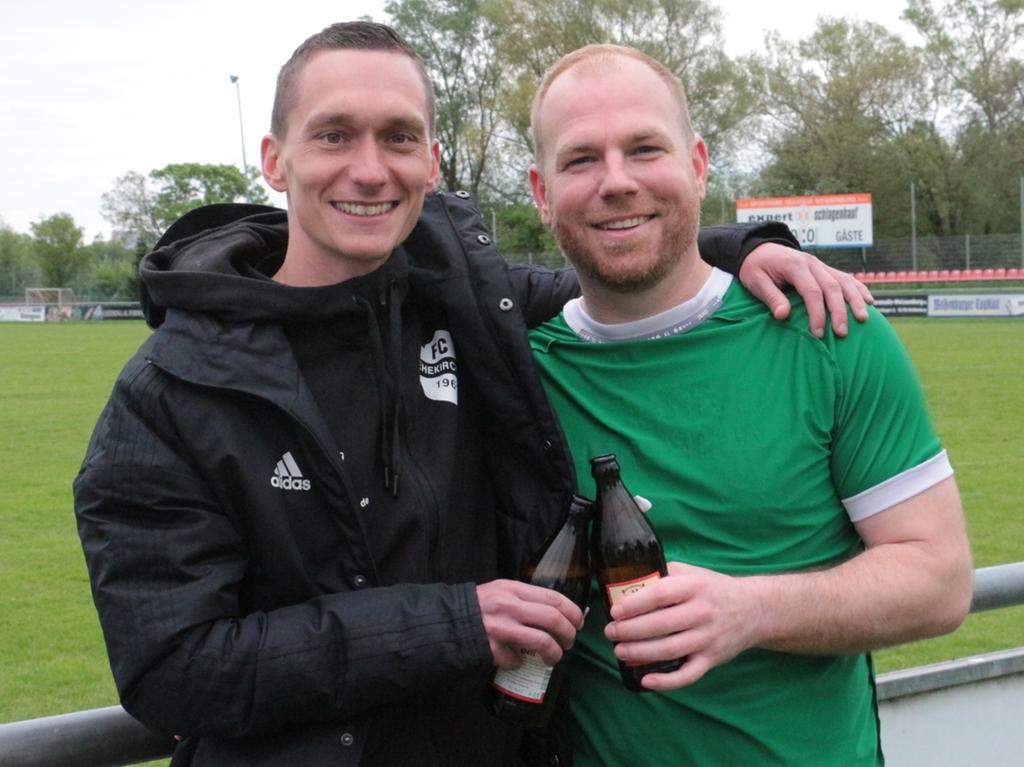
973	251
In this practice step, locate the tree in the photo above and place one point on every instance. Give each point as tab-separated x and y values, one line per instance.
684	35
979	44
838	96
131	208
457	41
486	58
519	232
851	109
143	207
57	247
184	186
15	256
113	270
115	280
979	48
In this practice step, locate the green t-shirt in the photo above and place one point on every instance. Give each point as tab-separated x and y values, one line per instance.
745	433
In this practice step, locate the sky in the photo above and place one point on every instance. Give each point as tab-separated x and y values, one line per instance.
92	89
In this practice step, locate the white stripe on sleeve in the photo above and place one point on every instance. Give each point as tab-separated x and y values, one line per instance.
899	488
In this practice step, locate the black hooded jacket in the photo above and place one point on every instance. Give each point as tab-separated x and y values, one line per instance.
292	492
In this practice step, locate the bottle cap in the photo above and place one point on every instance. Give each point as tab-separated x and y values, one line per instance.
581	505
603	465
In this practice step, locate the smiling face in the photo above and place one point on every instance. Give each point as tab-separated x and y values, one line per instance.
356	161
619	179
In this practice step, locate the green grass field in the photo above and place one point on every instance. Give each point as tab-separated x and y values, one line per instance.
55	378
973	375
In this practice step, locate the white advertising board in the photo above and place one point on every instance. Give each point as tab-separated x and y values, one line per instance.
976	305
22	313
828	220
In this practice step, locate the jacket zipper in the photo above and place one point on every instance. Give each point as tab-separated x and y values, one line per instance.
333	460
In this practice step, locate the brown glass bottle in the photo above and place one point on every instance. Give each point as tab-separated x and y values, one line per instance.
626	552
526	695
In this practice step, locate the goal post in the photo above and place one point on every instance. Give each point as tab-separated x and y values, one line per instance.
49	296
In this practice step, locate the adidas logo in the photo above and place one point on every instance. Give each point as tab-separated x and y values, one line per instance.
287	475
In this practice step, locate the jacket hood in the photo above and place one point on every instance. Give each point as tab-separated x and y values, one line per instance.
219	259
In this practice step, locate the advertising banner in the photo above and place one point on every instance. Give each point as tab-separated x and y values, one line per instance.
22	313
830	220
902	306
110	311
976	305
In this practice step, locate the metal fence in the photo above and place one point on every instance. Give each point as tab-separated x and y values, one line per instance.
972	251
109	737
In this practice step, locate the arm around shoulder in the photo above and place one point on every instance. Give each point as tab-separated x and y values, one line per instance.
542	292
727	246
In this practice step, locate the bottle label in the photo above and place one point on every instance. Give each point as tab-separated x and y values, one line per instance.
616	592
529	682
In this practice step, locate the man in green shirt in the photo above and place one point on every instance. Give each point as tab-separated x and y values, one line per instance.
806	506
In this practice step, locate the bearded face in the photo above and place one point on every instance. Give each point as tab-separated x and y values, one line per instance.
621	178
638	251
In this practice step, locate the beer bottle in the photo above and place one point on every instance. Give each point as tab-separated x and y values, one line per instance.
627	553
526	695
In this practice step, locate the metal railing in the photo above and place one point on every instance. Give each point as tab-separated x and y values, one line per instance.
109	737
994	588
100	737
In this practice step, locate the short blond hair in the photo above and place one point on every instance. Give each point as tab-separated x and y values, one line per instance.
593	57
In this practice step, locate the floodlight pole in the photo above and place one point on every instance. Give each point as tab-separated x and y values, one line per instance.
241	131
1022	221
913	227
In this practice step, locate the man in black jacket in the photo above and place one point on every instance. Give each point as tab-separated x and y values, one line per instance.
304	498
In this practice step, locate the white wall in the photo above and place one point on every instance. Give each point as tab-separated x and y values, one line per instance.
979	723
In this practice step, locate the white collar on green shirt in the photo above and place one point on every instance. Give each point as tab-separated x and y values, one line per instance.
678	319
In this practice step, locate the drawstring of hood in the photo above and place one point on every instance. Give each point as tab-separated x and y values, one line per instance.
387	364
395	347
